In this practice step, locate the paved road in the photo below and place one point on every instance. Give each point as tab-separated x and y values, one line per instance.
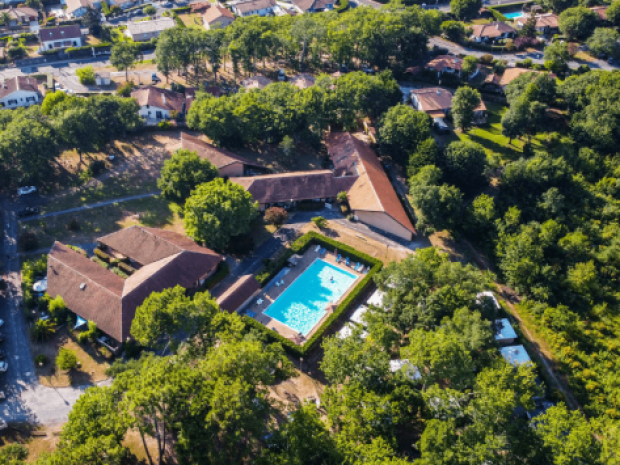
536	57
92	205
27	400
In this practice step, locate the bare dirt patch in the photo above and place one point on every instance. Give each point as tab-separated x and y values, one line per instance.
93	361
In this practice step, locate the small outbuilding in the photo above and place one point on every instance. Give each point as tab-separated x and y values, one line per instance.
515	355
504	332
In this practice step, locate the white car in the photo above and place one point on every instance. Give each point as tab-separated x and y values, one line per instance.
26	190
3	424
3	367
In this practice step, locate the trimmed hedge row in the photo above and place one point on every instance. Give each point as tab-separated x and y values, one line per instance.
102	255
78	250
119	272
98	261
182	9
300	245
126	268
89	47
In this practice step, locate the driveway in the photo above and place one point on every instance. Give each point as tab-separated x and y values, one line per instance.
27	400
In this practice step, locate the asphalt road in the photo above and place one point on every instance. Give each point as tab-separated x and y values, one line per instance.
27	400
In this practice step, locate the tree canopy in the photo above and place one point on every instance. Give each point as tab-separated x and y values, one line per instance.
182	173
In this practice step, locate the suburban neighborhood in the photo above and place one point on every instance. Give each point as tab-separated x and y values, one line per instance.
304	232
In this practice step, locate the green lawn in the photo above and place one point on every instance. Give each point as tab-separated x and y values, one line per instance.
490	135
152	211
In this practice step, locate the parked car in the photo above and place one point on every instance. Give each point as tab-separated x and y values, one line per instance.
3	367
28	211
281	75
154	78
368	69
440	126
167	5
611	61
26	190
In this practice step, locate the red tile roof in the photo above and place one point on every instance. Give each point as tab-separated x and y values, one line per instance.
445	61
436	101
492	30
237	294
219	157
217	13
60	33
160	98
372	190
601	11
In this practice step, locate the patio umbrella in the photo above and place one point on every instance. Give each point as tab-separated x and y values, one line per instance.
80	322
40	286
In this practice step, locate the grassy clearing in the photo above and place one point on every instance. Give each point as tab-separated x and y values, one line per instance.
490	135
151	211
93	361
191	19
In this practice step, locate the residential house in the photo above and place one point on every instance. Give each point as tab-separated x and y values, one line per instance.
156	103
237	296
78	8
147	30
601	12
125	4
313	6
254	7
103	78
303	81
445	64
546	23
288	189
20	91
217	17
492	32
256	82
21	15
163	259
58	38
227	163
437	103
371	197
200	7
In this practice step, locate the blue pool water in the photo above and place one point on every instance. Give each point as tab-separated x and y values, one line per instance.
303	304
514	15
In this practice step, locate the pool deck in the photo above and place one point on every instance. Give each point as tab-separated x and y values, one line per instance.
271	292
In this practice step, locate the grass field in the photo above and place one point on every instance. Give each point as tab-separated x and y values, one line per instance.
152	211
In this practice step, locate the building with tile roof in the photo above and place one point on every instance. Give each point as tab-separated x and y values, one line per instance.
227	163
239	294
437	103
147	30
217	17
256	82
163	259
157	103
601	11
546	23
492	31
57	38
313	6
371	196
20	91
254	7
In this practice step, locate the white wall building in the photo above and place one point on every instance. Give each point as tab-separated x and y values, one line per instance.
20	91
254	7
57	38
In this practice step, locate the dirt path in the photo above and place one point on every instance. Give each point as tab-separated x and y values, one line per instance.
536	344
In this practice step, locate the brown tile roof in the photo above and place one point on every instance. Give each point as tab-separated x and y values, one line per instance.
22	13
445	61
296	186
237	294
216	13
256	82
491	30
550	20
60	33
305	5
148	245
303	81
372	190
18	83
254	5
219	157
436	101
161	98
601	11
99	301
510	74
169	259
200	6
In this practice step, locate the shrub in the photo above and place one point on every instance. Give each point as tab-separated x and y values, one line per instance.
28	241
182	9
78	250
351	217
178	20
119	272
98	261
105	8
299	246
73	224
174	114
96	167
319	222
344	6
125	89
164	125
86	75
115	9
276	216
149	10
486	59
42	330
126	268
102	255
66	359
40	360
57	308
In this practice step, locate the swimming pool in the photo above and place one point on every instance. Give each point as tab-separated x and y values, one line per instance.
302	305
513	15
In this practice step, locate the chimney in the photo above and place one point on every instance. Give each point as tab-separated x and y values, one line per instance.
163	98
497	26
438	92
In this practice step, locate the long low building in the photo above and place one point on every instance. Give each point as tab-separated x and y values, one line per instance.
227	163
162	259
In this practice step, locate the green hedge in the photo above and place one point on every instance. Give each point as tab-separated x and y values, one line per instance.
98	261
497	15
344	6
89	47
119	272
178	20
182	9
222	271
105	8
102	255
78	250
126	268
300	245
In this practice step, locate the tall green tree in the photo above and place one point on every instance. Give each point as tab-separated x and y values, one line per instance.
217	211
578	23
182	173
124	56
465	9
464	164
465	101
401	130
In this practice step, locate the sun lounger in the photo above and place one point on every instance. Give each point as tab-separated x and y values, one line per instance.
318	247
278	283
347	261
367	269
339	258
259	301
250	314
322	251
357	266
